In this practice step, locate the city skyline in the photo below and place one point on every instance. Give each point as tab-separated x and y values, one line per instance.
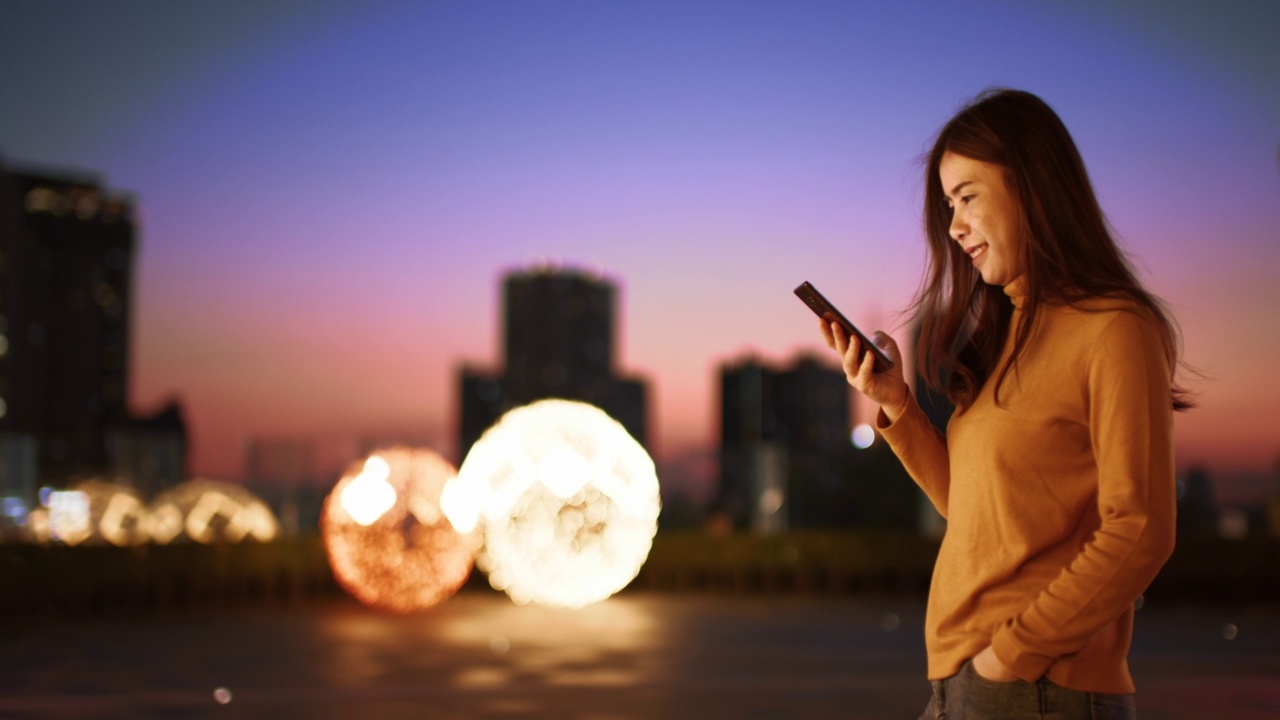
330	192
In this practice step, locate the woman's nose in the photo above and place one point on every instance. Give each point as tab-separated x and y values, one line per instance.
959	228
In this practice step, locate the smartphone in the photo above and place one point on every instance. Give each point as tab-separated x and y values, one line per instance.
824	309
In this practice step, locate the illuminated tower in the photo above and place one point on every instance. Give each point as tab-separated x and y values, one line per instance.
558	342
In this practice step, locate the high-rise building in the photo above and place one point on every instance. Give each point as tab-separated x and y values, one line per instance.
753	489
782	434
813	406
149	452
66	279
558	342
787	456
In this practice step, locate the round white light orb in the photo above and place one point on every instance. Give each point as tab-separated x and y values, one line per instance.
566	502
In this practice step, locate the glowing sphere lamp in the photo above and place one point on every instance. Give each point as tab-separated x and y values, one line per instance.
388	542
566	502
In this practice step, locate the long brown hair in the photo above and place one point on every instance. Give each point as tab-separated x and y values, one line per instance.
1070	253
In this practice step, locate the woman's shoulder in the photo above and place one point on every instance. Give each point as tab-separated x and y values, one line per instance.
1105	308
1111	317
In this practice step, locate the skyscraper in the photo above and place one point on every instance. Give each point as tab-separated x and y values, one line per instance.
753	455
66	279
558	341
782	432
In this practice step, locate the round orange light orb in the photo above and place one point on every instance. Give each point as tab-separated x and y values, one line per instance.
388	543
567	502
209	511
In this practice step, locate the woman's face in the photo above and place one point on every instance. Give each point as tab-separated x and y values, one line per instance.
984	217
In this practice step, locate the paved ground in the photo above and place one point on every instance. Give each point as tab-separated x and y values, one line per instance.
634	656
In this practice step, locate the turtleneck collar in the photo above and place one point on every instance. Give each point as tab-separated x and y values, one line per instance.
1017	290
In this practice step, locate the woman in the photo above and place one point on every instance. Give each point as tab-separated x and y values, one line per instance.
1056	472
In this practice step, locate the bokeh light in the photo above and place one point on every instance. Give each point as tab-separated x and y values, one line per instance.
209	511
117	514
388	542
863	436
66	518
369	496
565	499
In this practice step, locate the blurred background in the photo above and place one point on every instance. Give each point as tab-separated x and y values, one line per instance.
249	242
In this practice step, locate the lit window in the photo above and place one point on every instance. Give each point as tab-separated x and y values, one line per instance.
87	206
39	199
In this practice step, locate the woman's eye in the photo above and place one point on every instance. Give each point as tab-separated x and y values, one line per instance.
966	199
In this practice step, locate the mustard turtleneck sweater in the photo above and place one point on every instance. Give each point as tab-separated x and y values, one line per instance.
1059	501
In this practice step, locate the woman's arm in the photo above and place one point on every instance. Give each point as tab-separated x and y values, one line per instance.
922	450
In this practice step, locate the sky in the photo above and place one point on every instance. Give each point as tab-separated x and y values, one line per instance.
330	191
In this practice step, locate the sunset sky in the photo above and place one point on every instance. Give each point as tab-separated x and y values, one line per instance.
331	191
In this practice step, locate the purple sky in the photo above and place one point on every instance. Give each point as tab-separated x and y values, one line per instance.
332	190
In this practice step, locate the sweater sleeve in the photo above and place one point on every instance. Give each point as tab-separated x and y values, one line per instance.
1130	415
922	450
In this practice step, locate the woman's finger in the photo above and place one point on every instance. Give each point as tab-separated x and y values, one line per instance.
885	342
839	338
827	335
867	368
851	353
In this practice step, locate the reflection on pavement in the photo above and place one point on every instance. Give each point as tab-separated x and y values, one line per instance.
610	643
633	656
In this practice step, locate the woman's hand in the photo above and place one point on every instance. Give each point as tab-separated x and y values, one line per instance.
887	389
989	667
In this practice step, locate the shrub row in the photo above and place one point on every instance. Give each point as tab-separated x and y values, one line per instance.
60	580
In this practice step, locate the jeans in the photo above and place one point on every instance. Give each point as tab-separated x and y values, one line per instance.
968	696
